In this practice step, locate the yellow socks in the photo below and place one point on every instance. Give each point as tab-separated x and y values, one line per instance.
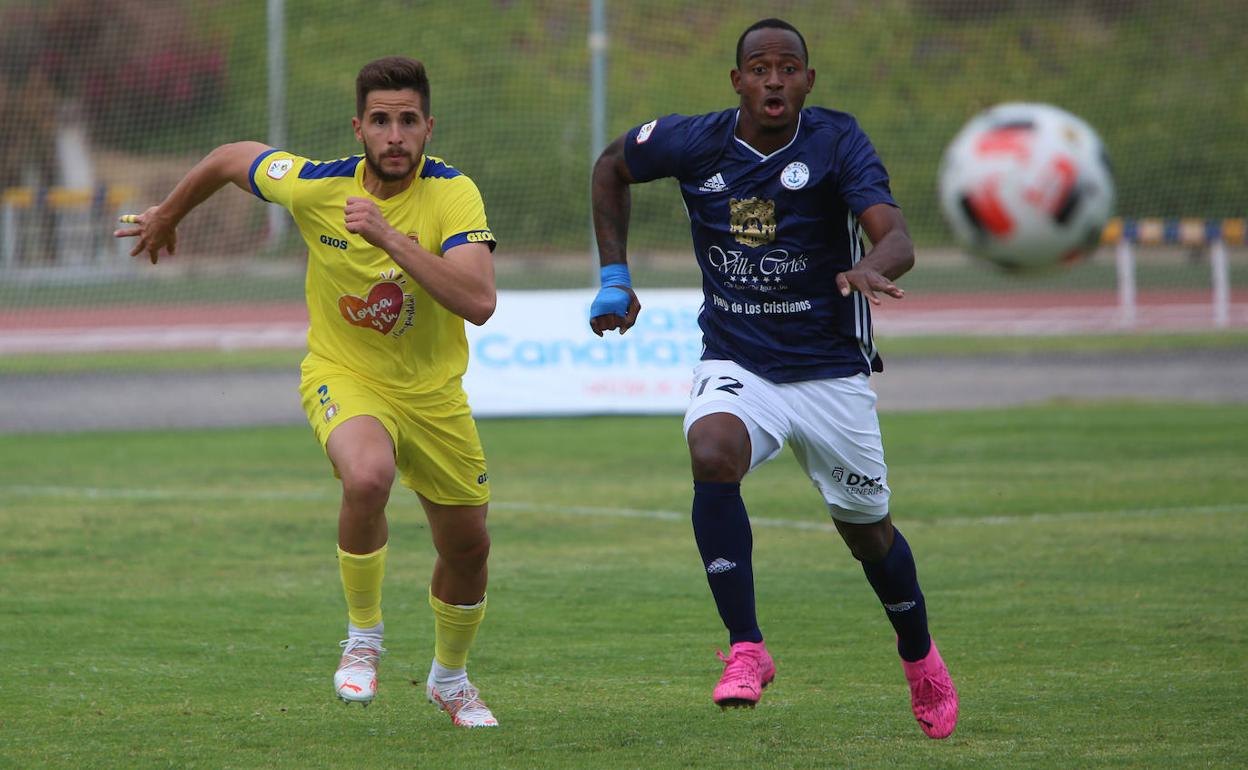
454	628
361	582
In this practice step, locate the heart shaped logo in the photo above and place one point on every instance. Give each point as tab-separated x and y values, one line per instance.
379	312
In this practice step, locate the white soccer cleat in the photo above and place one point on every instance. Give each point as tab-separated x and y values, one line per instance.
463	703
355	681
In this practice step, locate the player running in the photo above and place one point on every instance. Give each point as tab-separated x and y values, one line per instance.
399	256
778	197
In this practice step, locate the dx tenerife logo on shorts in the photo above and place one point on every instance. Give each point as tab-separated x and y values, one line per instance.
752	221
860	483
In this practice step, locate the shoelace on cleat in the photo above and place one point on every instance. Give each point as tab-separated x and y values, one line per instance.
464	702
359	652
932	690
741	666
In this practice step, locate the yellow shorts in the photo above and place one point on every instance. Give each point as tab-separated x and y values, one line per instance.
436	448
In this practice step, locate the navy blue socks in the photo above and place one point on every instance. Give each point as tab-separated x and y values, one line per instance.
721	528
897	584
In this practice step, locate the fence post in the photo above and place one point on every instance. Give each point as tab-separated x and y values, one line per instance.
1124	257
1221	284
276	47
8	234
597	108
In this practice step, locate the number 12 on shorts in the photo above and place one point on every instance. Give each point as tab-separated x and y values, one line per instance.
731	385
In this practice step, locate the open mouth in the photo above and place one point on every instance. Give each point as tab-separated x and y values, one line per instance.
773	106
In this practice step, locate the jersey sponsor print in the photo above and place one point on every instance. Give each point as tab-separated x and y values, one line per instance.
770	234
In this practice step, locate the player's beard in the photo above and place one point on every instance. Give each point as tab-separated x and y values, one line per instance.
374	165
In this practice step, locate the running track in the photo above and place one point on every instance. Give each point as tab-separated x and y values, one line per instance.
272	325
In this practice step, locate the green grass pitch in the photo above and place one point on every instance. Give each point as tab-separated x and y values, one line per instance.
170	599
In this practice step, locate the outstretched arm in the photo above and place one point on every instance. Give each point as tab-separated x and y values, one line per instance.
616	306
891	255
156	228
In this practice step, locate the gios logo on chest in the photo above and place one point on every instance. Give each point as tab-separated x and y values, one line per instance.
752	221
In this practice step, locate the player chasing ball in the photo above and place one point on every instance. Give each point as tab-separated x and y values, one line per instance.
778	197
399	256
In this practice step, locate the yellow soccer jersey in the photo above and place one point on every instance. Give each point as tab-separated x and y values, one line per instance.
365	314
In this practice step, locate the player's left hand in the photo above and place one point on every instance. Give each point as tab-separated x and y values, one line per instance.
364	218
867	282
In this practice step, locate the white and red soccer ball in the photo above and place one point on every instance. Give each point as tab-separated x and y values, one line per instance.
1026	185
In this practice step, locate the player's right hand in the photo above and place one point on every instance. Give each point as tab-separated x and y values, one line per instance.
153	231
614	307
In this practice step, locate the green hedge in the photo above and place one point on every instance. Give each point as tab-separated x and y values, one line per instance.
1163	82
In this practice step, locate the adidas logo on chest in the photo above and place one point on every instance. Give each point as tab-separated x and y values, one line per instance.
714	184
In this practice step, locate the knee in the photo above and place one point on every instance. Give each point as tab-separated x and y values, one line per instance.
467	556
368	483
716	462
870	552
868	542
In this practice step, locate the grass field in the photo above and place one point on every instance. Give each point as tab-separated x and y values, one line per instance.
170	599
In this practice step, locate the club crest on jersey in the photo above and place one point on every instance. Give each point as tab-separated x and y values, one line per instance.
644	132
752	221
795	175
280	168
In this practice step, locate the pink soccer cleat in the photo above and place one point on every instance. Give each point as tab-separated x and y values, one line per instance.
932	694
748	670
355	681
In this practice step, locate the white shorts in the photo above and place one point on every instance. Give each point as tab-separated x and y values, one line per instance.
831	424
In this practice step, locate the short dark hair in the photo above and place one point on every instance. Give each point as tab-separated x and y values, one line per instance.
771	24
391	73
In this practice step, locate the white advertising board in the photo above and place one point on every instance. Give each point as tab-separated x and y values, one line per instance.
537	356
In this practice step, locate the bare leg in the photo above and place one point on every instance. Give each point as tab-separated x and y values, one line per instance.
361	450
463	544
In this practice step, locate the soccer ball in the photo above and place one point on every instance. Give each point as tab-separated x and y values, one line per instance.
1026	185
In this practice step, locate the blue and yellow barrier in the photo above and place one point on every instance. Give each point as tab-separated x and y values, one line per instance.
1184	232
103	197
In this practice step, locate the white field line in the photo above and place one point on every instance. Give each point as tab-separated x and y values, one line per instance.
106	493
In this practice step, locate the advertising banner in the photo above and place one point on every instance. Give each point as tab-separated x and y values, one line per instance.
538	356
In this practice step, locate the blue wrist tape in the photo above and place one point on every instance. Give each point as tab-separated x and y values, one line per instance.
611	299
616	275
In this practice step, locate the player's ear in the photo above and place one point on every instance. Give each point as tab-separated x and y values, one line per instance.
429	134
735	76
810	80
357	125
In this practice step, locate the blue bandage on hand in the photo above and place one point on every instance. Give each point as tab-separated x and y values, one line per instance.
611	299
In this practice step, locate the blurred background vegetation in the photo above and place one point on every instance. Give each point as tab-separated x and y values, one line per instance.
158	85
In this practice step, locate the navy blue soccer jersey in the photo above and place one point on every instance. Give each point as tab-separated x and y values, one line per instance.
771	233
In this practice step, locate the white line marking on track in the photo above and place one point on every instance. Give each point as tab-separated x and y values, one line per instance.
117	493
